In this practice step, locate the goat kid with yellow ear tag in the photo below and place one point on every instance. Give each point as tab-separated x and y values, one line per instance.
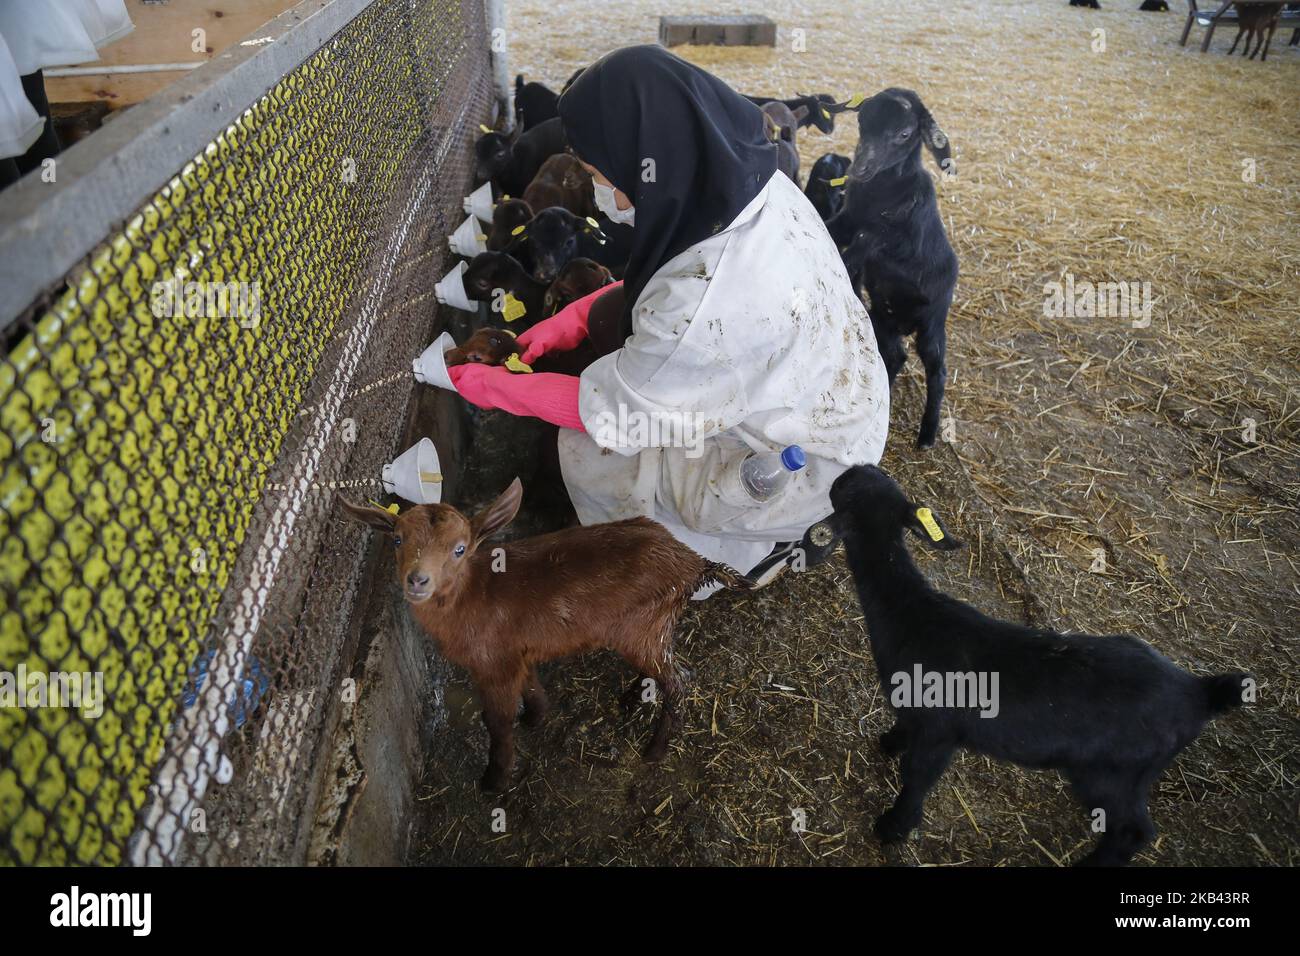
871	506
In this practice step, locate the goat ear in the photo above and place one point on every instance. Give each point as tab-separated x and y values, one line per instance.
923	523
853	103
518	236
829	529
498	514
592	227
935	139
800	113
937	142
385	521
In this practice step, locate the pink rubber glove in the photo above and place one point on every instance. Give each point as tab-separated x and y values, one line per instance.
546	395
563	331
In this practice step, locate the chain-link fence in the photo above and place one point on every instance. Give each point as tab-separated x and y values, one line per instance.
175	417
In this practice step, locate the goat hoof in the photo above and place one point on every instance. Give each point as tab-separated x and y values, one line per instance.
925	441
890	827
495	781
534	717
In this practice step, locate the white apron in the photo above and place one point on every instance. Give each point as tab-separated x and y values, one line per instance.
36	35
20	124
60	32
748	341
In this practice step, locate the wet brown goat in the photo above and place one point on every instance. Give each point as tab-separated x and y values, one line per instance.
500	610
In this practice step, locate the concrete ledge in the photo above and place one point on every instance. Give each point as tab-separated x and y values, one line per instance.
745	30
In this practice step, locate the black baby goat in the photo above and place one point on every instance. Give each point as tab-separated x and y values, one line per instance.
535	103
1110	713
892	239
825	189
511	163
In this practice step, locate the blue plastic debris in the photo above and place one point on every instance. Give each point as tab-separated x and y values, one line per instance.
252	688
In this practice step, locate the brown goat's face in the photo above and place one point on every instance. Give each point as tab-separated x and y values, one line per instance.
434	543
486	346
579	277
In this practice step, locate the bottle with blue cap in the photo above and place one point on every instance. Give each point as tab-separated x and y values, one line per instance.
763	476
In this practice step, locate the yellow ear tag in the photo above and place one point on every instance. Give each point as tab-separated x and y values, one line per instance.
515	365
854	101
514	309
484	128
595	226
826	113
838	180
392	509
926	517
518	230
481	237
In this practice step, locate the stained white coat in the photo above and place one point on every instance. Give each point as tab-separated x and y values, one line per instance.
751	340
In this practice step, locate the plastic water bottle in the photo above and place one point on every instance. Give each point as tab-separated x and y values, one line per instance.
765	475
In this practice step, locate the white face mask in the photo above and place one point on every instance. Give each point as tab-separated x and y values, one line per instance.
606	203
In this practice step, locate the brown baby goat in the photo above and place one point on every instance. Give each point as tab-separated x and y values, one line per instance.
486	346
500	611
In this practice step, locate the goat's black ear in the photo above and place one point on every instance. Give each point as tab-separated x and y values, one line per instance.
518	236
385	521
498	514
937	142
593	228
853	103
935	139
923	523
829	529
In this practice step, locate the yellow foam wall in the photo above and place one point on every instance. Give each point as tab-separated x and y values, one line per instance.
166	427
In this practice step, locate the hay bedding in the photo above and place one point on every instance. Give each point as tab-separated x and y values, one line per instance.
1071	434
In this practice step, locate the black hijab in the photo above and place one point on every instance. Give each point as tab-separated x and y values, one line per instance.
709	146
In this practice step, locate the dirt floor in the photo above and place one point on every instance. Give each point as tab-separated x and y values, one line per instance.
1067	435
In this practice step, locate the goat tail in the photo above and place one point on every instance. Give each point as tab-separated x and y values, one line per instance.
1224	692
519	83
724	575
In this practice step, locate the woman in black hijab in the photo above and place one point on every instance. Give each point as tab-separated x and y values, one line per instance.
735	331
686	150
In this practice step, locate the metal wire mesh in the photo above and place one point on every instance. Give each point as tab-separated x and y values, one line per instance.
168	481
